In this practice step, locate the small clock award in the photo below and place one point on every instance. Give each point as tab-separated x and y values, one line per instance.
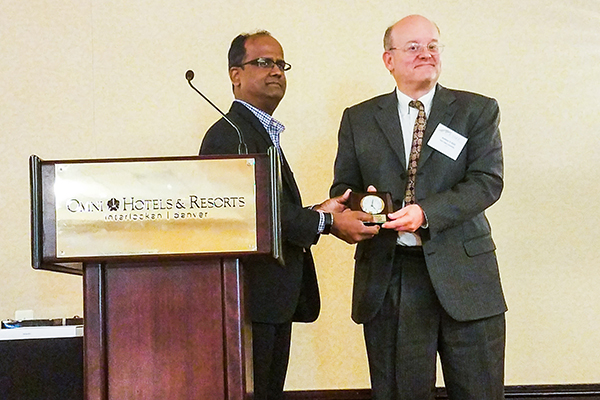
378	204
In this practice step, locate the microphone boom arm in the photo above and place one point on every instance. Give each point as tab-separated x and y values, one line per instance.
242	148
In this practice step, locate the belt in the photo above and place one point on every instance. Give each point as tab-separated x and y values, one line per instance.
409	250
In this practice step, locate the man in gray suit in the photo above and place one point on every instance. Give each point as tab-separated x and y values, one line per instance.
428	282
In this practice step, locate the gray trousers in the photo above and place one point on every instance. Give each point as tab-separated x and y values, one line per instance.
411	327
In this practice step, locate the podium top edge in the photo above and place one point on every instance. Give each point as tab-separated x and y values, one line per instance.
149	159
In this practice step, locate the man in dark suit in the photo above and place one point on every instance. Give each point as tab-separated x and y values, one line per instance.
428	282
278	294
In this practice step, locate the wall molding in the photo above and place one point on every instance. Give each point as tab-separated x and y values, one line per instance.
521	392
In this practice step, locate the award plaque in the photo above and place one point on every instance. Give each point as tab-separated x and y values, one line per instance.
378	204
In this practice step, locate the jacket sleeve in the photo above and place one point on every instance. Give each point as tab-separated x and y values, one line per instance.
299	225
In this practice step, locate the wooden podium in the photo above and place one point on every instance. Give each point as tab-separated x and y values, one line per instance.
158	242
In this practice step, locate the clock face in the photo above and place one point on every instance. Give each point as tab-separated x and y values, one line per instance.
372	204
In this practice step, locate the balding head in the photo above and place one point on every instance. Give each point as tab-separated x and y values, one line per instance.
387	40
412	54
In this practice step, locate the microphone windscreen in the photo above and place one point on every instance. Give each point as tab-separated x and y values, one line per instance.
189	75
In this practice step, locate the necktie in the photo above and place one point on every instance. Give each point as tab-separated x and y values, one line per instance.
415	151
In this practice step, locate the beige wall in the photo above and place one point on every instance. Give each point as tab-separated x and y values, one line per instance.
85	78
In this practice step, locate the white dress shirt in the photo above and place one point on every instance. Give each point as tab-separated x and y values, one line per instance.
408	116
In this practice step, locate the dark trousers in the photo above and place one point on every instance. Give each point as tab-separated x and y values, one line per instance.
271	353
411	327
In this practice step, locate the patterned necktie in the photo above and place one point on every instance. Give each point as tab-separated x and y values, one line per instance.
415	151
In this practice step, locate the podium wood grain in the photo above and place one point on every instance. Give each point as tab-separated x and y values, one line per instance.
171	331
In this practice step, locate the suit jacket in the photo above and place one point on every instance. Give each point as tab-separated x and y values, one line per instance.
277	293
458	246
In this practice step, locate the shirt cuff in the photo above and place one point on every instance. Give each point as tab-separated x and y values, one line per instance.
325	223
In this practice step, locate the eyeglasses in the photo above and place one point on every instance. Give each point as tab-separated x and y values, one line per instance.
417	48
268	63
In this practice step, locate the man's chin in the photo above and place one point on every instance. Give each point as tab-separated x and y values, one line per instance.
276	91
428	75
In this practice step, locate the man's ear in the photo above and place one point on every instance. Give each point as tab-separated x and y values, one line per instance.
388	60
234	76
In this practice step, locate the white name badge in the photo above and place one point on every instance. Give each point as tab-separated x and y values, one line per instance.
447	142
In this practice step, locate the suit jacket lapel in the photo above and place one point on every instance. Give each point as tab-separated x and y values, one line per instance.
286	172
442	111
250	118
389	122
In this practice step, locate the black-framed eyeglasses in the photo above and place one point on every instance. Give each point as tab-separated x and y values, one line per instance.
268	63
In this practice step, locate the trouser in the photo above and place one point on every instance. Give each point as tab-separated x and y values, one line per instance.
411	327
271	353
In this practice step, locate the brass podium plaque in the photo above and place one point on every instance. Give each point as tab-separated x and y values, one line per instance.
171	207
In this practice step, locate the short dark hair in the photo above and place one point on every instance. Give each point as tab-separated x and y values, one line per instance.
237	50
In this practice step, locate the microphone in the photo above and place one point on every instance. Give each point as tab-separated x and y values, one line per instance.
242	149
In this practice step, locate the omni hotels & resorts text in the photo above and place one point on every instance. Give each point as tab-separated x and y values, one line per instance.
134	209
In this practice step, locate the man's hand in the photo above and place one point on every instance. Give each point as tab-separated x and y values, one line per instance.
349	227
407	219
334	205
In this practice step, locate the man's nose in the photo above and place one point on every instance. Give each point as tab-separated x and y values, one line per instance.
275	70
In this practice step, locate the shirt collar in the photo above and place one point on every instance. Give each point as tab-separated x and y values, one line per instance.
273	127
265	119
403	100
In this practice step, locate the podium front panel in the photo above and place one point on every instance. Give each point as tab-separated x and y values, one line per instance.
136	209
